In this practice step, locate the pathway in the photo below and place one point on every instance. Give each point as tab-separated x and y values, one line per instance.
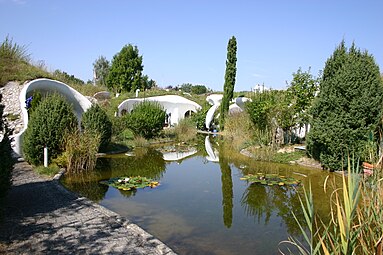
42	217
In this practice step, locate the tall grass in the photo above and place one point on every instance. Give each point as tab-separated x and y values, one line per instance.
356	225
185	130
16	65
239	129
80	151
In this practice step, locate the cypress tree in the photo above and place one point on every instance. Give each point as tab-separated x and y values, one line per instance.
348	108
230	73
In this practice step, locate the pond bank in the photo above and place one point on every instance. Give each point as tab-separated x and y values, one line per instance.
42	217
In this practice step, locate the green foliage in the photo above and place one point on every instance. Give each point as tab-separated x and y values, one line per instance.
199	118
101	68
48	124
185	130
230	74
5	155
51	170
15	64
80	151
95	120
130	183
264	112
348	107
125	73
186	87
199	89
67	78
147	83
302	93
146	119
270	179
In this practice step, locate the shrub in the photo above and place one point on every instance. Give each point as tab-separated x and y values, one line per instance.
199	118
96	120
48	124
347	109
146	119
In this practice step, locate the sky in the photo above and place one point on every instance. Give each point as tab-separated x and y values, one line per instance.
186	41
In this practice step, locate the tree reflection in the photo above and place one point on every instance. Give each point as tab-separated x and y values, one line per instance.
86	185
256	201
261	201
227	190
146	162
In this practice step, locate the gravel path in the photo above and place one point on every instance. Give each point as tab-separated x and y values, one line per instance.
42	217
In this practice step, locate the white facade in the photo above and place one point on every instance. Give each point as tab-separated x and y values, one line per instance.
178	107
79	102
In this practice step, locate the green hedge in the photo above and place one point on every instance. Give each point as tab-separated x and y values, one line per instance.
48	125
146	119
95	119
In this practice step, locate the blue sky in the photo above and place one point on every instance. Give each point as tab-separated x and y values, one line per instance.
186	41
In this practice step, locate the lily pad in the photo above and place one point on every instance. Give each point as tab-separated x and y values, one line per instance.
130	183
270	179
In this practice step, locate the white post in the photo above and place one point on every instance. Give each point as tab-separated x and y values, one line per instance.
45	156
137	90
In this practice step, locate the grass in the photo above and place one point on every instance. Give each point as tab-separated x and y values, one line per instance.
50	171
287	157
239	130
16	65
356	225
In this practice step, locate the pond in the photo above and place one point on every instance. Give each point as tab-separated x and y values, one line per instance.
201	205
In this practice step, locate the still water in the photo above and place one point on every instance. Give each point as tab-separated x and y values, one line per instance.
201	205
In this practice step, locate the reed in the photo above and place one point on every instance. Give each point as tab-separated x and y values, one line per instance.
80	151
185	130
356	225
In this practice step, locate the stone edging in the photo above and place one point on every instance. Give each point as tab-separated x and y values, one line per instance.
131	227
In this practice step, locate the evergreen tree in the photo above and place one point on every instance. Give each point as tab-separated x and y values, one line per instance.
348	109
228	87
125	73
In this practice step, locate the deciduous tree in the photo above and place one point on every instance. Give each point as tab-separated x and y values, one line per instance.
101	68
125	73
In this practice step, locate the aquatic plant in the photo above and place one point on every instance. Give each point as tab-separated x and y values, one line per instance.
270	179
130	183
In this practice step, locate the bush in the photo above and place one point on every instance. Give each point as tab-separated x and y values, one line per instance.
347	109
199	118
96	120
48	124
146	119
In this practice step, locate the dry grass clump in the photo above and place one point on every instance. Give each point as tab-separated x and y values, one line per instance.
80	151
239	129
185	130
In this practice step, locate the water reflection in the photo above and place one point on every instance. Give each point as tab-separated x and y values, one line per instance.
202	206
213	155
85	185
146	162
227	192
